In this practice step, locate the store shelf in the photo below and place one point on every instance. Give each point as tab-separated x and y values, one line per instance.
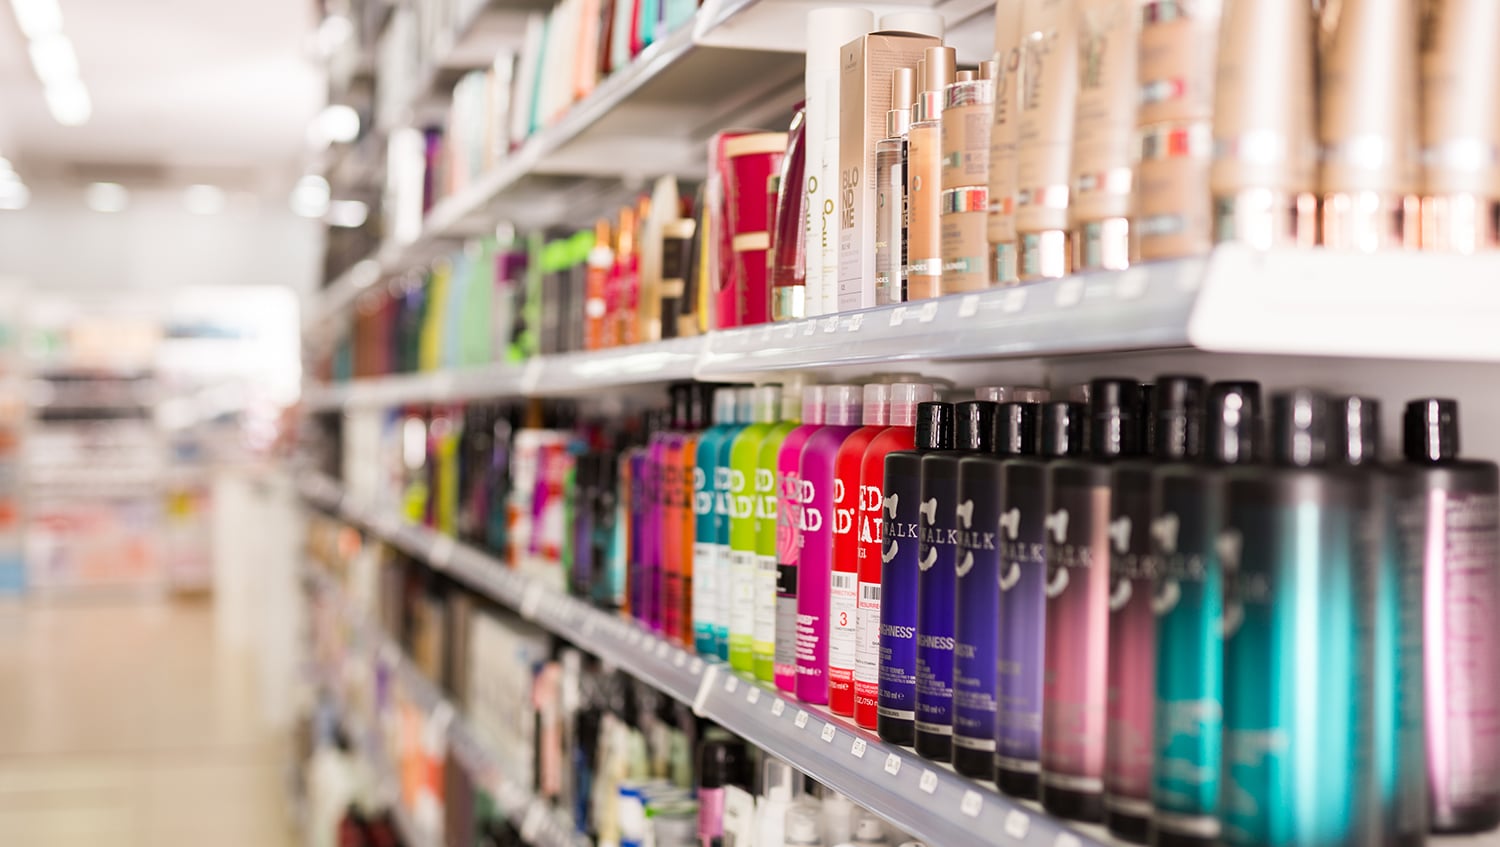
928	800
1417	306
540	824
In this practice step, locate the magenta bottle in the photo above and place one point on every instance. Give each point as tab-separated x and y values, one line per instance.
842	416
789	536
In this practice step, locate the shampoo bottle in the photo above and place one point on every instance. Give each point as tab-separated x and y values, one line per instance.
768	510
744	501
724	494
706	517
789	536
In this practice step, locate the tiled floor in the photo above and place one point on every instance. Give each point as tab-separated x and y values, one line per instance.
121	723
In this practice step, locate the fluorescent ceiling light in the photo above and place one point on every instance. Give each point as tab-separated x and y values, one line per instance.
38	17
107	197
203	199
348	213
54	59
69	103
310	197
14	195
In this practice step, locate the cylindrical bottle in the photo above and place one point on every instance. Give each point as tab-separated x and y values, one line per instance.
767	516
789	235
900	537
789	535
1077	651
890	192
924	177
968	112
943	520
1175	426
1367	124
1449	517
873	513
706	519
1264	172
601	261
1174	120
843	597
745	499
1000	225
725	492
1103	132
1044	135
1460	100
1290	654
1188	506
976	626
816	489
676	260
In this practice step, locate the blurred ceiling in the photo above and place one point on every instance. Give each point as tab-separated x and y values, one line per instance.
183	91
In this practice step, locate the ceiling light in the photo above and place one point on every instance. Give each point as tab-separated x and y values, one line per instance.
107	197
38	17
337	123
203	199
310	197
348	213
14	195
54	59
69	103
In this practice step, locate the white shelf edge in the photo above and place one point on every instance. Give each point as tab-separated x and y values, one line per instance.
927	799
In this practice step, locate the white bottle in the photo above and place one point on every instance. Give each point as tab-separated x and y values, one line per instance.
802	824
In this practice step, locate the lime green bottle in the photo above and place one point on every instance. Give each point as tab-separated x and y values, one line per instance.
763	606
744	460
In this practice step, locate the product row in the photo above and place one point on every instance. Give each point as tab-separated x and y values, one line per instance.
622	763
997	582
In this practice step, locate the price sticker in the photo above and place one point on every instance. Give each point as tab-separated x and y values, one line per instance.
857	749
1017	824
695	667
892	764
898	316
971	803
801	719
855	322
809	327
1069	293
778	708
679	660
831	325
828	733
731	684
1014	301
752	696
928	782
929	312
661	649
531	601
1132	284
969	306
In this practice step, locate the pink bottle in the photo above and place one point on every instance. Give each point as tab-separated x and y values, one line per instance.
815	491
789	536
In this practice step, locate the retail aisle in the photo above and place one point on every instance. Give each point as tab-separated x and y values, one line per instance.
122	724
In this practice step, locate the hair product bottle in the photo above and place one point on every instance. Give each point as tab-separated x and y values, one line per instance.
789	535
706	517
968	109
745	498
768	511
890	192
1460	101
924	176
1103	132
1000	225
1044	135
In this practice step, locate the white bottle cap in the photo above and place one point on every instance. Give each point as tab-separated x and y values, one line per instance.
904	399
877	404
842	405
829	29
919	22
813	407
724	411
767	404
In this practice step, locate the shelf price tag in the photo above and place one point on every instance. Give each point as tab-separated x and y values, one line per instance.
704	688
731	684
1014	301
892	764
809	327
898	316
831	324
531	601
857	749
1069	293
828	733
695	667
928	782
855	322
929	312
679	660
778	708
971	803
1017	824
969	306
801	719
1132	283
661	649
752	696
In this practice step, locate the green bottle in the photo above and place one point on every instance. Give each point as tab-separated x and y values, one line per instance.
744	461
763	642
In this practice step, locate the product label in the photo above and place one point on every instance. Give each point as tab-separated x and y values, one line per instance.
763	643
936	578
814	571
898	590
705	597
1133	568
843	606
867	647
788	554
1022	581
741	607
1074	693
977	627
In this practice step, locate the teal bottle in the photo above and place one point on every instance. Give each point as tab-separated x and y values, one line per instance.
705	522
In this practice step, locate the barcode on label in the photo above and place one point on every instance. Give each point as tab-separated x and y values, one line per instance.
844	581
870	592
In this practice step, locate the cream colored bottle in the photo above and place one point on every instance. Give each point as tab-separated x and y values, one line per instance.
1000	224
1367	124
1177	46
924	177
1264	173
1044	136
1103	133
968	110
1460	101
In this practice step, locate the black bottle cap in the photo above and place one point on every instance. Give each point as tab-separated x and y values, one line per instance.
1016	432
1356	430
720	762
1062	429
680	404
1430	430
1147	437
1233	425
1114	423
1176	421
1301	421
700	406
974	426
934	426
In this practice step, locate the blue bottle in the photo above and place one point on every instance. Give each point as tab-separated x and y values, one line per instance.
900	538
705	522
1291	654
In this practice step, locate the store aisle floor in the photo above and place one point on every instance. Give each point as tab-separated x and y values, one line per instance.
121	723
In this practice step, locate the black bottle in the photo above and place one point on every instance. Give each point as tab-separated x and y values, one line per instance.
1172	414
1187	509
941	526
976	625
1023	600
1074	703
900	538
1450	534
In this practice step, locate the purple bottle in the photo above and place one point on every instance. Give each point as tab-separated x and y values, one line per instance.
843	413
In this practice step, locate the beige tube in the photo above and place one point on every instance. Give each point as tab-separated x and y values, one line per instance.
924	178
1460	97
1367	124
1044	135
1000	223
1264	173
1103	132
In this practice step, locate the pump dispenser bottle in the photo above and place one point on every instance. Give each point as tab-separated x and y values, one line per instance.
1077	651
1188	504
905	398
924	176
900	537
